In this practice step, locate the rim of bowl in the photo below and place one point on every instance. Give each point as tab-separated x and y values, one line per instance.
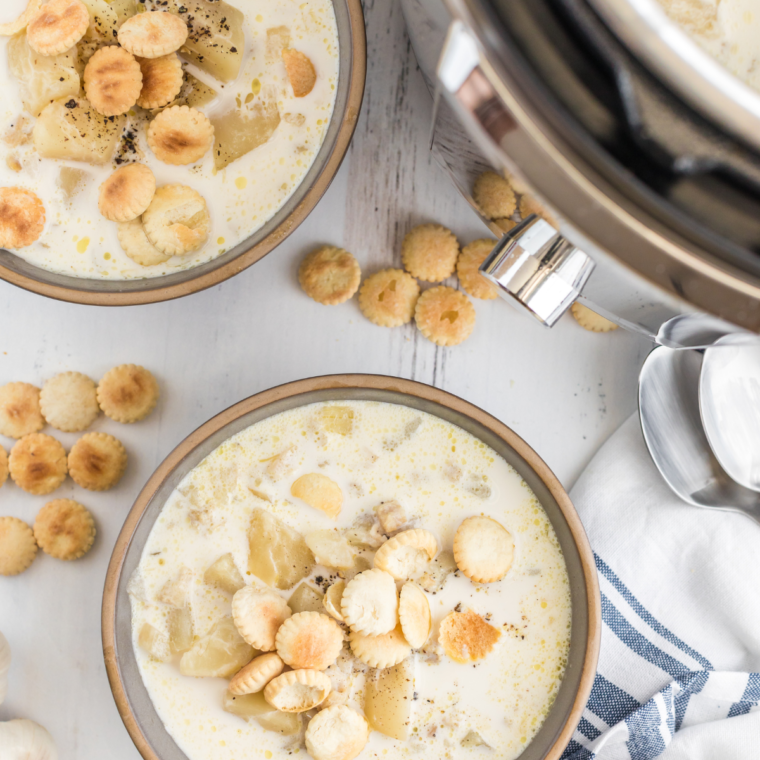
336	385
337	151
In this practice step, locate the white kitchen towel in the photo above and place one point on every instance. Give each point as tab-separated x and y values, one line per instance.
679	669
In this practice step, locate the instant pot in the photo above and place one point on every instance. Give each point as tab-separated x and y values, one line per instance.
643	149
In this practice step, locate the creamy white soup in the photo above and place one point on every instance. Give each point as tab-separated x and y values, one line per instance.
435	475
729	30
269	138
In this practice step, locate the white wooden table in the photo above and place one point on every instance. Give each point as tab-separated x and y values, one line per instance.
563	390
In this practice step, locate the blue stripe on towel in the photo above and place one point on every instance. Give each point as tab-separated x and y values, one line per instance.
647	616
650	725
749	699
575	751
740	708
692	684
752	692
670	717
588	729
610	702
645	740
638	643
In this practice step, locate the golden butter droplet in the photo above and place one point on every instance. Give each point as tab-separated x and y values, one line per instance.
241	183
83	244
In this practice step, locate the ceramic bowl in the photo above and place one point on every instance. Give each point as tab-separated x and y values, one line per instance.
133	702
352	74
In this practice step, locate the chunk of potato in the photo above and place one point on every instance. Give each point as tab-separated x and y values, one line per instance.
337	419
176	590
216	42
320	492
180	630
224	574
306	599
218	654
388	700
74	130
104	20
71	181
246	705
255	490
278	554
278	38
240	131
124	9
84	51
195	93
281	464
154	642
283	723
474	739
42	79
361	563
331	549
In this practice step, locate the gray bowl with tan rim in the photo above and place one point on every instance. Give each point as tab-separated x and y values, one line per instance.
351	79
132	699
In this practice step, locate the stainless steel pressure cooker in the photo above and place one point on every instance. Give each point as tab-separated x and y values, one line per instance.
644	150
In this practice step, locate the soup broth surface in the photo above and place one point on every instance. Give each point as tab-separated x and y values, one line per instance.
440	475
241	198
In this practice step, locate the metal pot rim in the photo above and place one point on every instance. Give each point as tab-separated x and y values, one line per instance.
576	686
693	73
331	153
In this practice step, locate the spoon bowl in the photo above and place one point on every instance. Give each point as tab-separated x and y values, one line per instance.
672	426
729	402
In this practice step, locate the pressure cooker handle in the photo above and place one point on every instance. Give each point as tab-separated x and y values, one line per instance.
537	269
532	266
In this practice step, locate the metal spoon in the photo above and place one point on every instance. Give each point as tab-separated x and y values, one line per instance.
729	400
672	427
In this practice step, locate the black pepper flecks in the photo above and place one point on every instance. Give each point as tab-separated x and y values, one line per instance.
127	148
